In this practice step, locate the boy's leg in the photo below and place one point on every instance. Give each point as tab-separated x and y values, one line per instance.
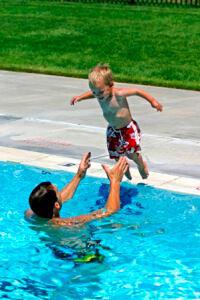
141	164
128	174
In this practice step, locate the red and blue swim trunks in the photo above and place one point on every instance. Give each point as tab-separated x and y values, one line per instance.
123	141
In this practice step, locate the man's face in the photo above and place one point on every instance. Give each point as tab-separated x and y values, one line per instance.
100	90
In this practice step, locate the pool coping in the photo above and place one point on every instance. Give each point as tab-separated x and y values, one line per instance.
175	183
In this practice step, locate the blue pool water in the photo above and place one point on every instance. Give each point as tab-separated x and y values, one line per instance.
151	247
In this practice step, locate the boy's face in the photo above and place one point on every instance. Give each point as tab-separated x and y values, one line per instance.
100	90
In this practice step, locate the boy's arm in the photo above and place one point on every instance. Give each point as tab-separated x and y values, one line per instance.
113	202
84	96
141	93
68	191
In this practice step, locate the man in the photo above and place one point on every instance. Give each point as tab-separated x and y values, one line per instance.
46	201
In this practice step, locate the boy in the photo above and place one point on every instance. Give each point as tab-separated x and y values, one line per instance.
123	133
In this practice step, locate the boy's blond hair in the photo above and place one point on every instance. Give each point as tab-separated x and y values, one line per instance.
101	71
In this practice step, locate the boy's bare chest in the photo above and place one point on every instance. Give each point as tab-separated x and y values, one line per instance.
112	103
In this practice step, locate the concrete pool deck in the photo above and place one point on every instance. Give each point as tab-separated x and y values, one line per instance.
39	127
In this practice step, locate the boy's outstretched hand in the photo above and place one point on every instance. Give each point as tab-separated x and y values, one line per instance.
74	100
84	165
118	170
157	105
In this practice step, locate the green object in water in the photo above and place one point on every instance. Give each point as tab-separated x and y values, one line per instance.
90	257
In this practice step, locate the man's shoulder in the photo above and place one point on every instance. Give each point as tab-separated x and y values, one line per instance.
63	222
32	218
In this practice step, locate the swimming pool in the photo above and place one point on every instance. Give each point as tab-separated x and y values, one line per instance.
150	247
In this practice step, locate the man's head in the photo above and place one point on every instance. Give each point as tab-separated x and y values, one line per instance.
44	200
101	80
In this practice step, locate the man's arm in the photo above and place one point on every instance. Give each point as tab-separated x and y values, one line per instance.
115	176
126	92
68	191
84	96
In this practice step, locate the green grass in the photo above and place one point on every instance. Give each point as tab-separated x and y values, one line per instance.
149	45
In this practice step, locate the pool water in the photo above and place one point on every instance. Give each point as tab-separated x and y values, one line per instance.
151	247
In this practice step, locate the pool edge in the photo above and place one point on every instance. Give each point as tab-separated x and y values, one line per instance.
159	180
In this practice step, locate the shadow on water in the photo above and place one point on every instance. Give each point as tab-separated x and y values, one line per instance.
128	194
34	287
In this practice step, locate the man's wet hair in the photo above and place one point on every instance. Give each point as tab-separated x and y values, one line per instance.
42	200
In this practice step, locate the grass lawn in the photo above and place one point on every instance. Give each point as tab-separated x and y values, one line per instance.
149	45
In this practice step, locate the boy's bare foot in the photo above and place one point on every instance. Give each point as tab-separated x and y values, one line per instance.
128	174
144	172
